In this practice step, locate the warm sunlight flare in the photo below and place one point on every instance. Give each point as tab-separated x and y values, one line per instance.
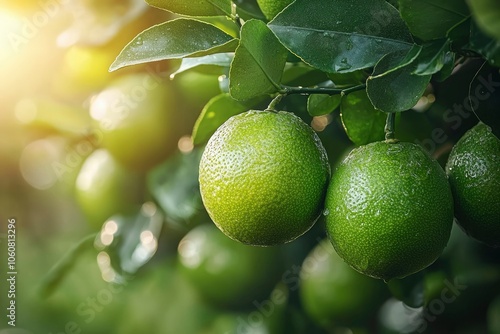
9	26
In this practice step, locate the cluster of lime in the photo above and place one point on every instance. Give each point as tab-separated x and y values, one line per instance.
135	126
265	179
389	206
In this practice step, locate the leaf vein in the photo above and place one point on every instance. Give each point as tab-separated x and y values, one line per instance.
275	85
348	34
450	10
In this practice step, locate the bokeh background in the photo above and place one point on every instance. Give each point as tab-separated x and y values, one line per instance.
114	244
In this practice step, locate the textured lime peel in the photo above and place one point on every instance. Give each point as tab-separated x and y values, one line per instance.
263	177
390	209
473	170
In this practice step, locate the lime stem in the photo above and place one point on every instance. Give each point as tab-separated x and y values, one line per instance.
287	90
234	15
470	91
274	102
389	127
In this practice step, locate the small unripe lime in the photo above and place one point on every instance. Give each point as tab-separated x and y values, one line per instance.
225	272
271	8
334	294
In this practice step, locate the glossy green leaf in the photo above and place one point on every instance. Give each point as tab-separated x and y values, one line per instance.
362	122
322	104
459	34
248	9
258	62
487	15
395	63
121	238
448	66
393	2
398	90
334	36
348	79
302	75
486	46
174	186
174	39
215	61
216	112
429	19
433	57
194	8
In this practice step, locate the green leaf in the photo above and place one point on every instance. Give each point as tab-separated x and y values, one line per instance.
194	8
394	91
486	46
174	186
396	63
335	36
218	110
208	63
56	275
299	74
258	62
486	13
433	57
348	79
248	9
362	122
121	238
429	19
459	34
448	66
322	104
174	39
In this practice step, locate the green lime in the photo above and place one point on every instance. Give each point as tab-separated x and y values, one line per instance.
334	294
473	170
271	8
265	316
226	272
263	177
494	316
389	209
104	188
136	120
